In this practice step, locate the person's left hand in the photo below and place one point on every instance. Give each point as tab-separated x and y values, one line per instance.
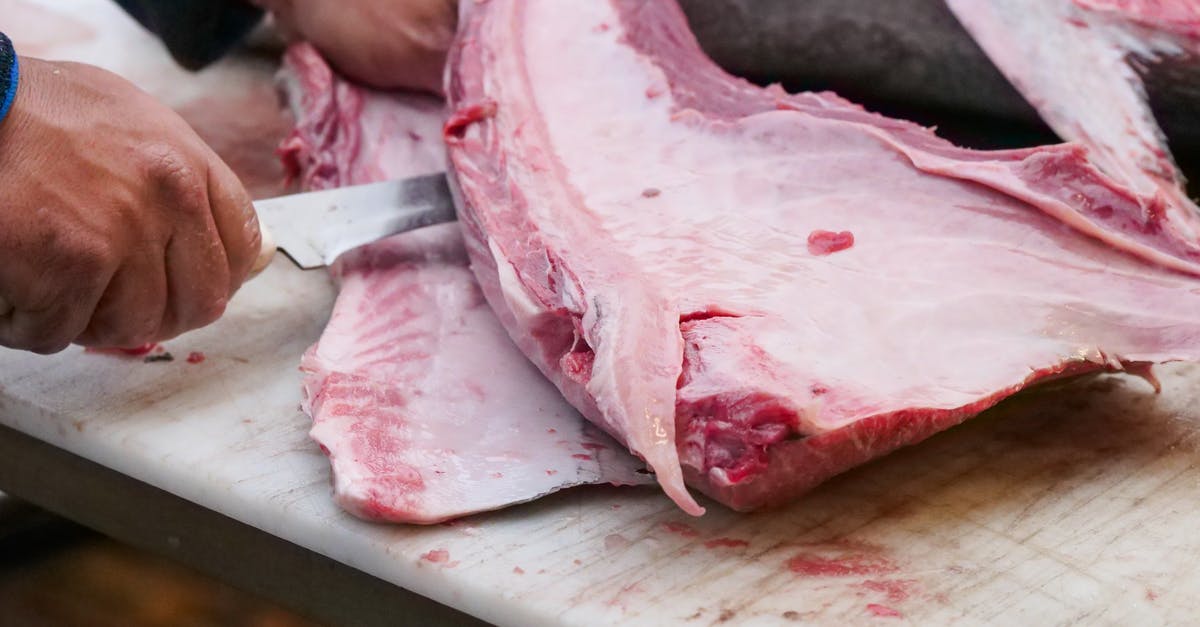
383	43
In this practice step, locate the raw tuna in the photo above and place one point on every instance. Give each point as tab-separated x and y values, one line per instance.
755	290
345	135
1076	63
426	409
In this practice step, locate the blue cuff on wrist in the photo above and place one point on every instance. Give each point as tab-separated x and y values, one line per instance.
9	71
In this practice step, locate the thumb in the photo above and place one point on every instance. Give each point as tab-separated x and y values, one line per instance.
236	221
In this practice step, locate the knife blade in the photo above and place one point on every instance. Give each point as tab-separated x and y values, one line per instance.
314	228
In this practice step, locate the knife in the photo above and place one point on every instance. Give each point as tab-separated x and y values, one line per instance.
314	228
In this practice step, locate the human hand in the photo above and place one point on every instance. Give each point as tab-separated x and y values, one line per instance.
383	43
118	225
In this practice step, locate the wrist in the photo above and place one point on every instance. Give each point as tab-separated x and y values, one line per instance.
9	75
27	105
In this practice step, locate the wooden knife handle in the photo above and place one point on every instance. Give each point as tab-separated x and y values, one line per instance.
265	254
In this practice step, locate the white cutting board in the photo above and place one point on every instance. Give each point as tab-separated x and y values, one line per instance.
1072	504
1068	504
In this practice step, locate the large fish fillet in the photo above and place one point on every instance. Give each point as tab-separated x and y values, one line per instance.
755	290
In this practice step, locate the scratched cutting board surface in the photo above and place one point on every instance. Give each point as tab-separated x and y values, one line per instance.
1070	503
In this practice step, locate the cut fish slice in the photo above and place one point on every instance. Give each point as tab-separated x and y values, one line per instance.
425	408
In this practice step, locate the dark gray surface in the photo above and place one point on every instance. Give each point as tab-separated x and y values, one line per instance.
19	520
151	519
895	56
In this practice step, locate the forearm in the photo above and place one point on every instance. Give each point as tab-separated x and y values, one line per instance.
196	32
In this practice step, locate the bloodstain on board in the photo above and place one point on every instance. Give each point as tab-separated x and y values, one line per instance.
821	243
582	456
622	597
1151	595
726	615
437	556
732	543
814	565
883	611
517	570
791	615
681	529
196	357
896	590
616	541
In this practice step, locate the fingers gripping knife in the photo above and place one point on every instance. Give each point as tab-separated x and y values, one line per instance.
314	228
